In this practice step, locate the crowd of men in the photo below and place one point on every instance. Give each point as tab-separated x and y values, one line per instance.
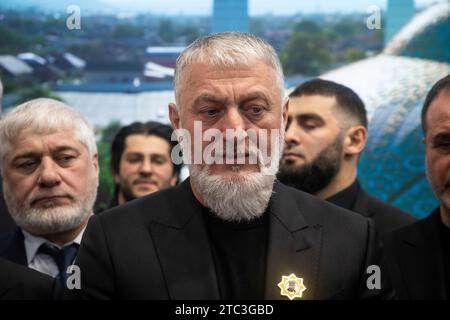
296	223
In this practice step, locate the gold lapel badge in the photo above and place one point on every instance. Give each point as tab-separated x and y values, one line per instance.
291	286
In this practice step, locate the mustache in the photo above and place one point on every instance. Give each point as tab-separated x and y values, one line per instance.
46	195
288	151
140	180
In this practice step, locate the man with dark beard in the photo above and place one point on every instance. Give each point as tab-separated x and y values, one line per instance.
48	160
326	133
229	231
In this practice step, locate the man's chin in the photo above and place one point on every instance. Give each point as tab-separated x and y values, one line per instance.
143	193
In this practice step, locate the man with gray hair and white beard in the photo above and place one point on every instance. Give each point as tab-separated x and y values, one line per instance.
48	160
229	231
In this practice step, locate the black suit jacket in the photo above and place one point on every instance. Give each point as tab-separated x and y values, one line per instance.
157	247
21	283
7	225
415	260
387	218
12	247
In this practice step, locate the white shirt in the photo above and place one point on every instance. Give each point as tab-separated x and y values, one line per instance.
43	262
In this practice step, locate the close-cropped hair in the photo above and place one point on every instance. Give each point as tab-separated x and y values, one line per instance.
347	100
228	49
44	116
436	89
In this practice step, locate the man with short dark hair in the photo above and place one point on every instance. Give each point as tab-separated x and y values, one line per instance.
141	161
326	133
419	255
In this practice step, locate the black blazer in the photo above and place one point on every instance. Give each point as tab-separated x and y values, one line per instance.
415	260
12	247
21	283
7	225
387	218
157	247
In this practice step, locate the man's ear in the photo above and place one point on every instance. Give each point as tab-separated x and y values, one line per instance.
355	140
95	163
174	116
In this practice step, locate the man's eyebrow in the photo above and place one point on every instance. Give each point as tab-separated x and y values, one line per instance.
442	136
26	155
206	97
257	95
308	116
64	148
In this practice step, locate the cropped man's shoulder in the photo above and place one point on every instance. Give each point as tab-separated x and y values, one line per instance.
395	216
322	211
142	208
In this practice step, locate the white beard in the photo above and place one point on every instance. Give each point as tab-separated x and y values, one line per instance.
52	219
241	197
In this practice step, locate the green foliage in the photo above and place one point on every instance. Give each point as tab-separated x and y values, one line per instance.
35	92
166	30
353	54
106	180
306	54
127	31
11	42
308	26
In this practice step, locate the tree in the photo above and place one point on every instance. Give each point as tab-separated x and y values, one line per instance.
35	92
308	26
306	53
166	30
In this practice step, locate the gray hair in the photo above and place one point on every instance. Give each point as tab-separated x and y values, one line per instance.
231	49
42	116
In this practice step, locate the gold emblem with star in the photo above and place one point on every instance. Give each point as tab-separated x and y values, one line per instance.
291	286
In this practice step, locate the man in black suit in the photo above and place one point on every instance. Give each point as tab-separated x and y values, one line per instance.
48	160
21	283
325	136
418	255
230	231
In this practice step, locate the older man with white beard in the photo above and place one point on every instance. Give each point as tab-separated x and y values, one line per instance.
230	231
48	159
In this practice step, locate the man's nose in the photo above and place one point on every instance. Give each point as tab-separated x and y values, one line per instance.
234	120
49	175
292	136
146	167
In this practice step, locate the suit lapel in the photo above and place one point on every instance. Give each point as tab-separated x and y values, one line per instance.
183	249
428	263
293	246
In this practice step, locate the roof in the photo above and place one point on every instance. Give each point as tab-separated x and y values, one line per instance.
14	66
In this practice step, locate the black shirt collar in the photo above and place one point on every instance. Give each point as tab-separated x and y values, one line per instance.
347	197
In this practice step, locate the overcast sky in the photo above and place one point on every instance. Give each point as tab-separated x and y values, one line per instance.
256	7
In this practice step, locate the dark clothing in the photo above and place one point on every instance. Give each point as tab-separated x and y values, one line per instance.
12	247
20	283
445	238
7	225
239	254
387	218
157	247
415	257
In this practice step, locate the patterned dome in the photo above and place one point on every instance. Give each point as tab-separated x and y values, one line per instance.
426	36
